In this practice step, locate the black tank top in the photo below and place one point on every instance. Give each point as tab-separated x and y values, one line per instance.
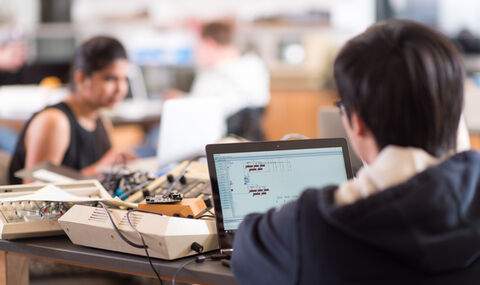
85	148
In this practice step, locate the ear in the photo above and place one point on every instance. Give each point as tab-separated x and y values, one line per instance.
354	125
79	78
361	138
358	125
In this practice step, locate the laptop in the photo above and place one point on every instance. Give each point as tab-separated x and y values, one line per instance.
186	126
257	176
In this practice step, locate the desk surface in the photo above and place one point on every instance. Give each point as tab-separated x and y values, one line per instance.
60	249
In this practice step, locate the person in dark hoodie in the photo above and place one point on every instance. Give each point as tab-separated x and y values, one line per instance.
412	216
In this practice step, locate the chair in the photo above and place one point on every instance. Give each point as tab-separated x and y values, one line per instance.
247	123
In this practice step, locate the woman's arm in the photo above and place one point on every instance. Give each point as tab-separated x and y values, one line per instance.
47	138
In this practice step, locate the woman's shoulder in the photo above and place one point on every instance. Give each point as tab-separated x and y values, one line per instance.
50	119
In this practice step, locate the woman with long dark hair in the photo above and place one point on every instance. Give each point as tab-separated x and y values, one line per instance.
72	133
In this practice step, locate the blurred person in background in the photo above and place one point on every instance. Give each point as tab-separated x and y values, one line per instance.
13	56
240	81
72	133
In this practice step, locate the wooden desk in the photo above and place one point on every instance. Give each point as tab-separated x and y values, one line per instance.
15	255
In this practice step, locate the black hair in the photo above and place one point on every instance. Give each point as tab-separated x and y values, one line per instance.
405	81
96	54
220	31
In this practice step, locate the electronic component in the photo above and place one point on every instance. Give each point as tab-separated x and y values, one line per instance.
22	219
191	189
169	198
187	208
166	237
14	212
122	182
189	178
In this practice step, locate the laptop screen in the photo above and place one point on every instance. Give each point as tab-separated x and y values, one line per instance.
256	181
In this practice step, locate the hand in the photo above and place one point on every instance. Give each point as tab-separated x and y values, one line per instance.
113	157
109	159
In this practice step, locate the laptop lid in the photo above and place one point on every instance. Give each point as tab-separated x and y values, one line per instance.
186	126
254	177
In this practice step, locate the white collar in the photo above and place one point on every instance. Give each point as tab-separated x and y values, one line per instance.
393	166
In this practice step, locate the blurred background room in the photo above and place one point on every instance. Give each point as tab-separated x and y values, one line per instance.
261	67
297	40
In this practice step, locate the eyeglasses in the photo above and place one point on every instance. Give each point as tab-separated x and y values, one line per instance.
341	106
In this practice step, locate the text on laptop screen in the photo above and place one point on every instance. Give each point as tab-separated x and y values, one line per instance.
251	182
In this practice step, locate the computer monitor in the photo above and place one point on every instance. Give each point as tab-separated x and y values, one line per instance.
254	177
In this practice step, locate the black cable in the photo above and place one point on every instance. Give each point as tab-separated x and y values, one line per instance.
143	245
199	259
174	278
205	216
131	243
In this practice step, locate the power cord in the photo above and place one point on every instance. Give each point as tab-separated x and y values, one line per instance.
199	259
145	247
124	238
195	246
131	243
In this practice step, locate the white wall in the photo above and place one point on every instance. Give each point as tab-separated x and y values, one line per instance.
353	15
346	14
457	14
24	14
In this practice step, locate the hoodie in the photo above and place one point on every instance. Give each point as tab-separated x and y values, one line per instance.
424	230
